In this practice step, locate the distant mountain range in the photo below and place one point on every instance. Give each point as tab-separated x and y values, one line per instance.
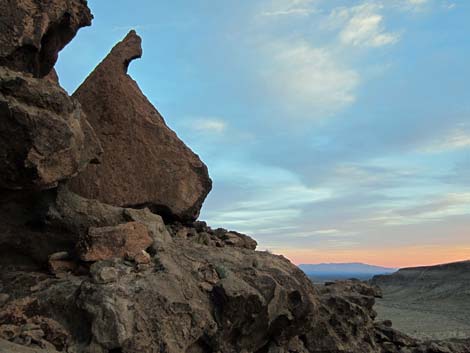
338	271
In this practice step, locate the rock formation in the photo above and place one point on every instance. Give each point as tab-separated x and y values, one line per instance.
145	163
33	32
107	275
44	135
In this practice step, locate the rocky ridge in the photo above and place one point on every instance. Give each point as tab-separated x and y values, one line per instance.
102	273
429	301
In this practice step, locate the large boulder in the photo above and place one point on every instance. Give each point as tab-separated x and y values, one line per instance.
33	32
145	163
44	135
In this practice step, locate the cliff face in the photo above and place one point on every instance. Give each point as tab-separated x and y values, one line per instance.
430	283
428	302
99	273
457	273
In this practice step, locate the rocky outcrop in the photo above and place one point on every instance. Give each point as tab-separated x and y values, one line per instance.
33	32
201	233
197	298
44	135
145	163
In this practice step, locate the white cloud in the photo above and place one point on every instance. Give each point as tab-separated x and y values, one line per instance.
312	77
209	125
299	11
364	26
456	139
437	209
272	196
450	6
313	71
290	7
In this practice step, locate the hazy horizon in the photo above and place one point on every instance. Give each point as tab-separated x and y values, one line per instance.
334	131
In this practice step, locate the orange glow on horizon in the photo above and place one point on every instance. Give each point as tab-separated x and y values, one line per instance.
397	257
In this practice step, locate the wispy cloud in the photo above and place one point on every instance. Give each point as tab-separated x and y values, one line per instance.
268	195
289	7
299	11
417	2
312	77
362	25
442	207
212	126
456	139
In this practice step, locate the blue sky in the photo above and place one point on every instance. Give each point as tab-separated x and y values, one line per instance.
333	130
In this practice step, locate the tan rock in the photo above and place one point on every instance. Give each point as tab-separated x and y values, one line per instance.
145	163
9	347
61	255
239	240
4	298
142	258
62	266
154	224
124	240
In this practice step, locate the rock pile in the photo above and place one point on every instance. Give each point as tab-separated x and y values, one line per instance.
124	267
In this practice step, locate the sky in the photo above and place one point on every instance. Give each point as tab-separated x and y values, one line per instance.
333	130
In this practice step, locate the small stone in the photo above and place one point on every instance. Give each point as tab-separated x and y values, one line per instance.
35	335
63	255
30	327
102	274
206	286
62	266
4	298
142	258
182	233
35	288
9	332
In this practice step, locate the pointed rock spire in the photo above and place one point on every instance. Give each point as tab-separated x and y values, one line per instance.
144	161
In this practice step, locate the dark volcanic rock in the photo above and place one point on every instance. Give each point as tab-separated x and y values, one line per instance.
196	298
44	135
33	32
144	162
